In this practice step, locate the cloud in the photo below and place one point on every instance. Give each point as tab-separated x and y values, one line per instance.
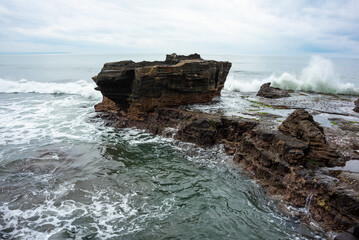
228	26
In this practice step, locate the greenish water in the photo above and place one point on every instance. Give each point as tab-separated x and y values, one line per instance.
65	175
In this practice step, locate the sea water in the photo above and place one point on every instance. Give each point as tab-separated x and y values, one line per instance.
65	175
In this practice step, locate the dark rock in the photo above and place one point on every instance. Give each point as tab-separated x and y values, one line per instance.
174	58
290	161
301	125
351	234
287	162
140	87
356	108
207	130
270	92
107	106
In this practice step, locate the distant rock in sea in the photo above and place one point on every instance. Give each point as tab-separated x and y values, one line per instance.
356	109
270	92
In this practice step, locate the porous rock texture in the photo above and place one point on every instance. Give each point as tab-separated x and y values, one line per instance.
140	87
270	92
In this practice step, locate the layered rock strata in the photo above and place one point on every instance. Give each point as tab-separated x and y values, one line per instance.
292	164
140	87
292	160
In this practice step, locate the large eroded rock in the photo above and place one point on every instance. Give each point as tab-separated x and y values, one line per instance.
142	86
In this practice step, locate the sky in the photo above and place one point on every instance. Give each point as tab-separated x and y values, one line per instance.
258	27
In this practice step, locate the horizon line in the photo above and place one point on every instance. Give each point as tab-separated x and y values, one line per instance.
29	53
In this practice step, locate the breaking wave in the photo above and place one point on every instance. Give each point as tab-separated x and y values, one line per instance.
81	87
319	76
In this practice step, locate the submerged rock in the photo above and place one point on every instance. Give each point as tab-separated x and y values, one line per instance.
140	87
270	92
356	109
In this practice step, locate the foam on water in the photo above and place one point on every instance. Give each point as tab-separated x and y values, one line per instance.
106	212
319	76
31	119
67	176
81	87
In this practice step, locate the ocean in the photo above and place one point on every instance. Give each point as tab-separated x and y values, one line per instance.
64	174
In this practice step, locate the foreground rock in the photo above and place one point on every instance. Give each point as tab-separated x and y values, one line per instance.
140	87
292	163
270	92
350	234
301	125
293	160
356	109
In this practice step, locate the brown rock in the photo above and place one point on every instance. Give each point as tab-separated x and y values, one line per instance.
278	158
290	161
107	105
140	87
301	125
206	130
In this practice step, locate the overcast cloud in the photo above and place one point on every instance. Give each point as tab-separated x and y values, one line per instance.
163	26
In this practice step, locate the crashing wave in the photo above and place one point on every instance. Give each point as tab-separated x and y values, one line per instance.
81	87
319	76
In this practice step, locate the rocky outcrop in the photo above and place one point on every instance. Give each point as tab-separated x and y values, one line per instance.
292	161
140	87
300	141
356	108
301	125
206	130
270	92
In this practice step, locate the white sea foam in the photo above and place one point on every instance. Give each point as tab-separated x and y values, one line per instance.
81	87
41	119
319	76
111	213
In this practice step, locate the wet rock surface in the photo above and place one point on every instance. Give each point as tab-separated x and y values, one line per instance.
270	92
294	160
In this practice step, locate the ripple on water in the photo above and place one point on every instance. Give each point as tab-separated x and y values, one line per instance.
68	177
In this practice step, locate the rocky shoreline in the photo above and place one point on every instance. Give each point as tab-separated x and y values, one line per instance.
295	162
